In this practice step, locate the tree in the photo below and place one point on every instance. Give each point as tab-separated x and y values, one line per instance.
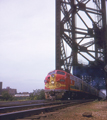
42	95
6	96
37	95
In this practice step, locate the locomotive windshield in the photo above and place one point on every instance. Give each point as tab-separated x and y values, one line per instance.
60	72
53	72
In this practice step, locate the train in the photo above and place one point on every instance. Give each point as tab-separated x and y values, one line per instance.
60	84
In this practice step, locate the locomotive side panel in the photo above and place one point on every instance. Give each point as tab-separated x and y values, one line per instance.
78	83
72	82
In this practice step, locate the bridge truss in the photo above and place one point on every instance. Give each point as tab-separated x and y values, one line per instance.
81	35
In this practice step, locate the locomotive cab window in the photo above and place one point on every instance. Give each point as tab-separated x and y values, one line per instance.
53	72
60	72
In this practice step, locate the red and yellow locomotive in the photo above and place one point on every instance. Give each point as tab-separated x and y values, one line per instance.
58	84
62	85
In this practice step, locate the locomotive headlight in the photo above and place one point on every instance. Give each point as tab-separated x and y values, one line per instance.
52	75
52	82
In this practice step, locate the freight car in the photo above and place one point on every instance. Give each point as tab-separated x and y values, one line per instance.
62	85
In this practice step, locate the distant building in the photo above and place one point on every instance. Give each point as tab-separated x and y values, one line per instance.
25	93
22	95
0	88
10	90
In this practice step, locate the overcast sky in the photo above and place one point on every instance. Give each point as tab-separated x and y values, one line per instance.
27	43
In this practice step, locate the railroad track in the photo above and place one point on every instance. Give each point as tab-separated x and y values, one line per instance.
15	103
15	112
30	106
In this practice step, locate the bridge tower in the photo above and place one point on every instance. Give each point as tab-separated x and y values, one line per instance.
81	37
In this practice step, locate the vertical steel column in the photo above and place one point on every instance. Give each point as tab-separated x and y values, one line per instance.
105	37
106	43
74	45
58	46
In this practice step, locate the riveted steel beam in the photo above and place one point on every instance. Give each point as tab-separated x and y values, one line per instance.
80	28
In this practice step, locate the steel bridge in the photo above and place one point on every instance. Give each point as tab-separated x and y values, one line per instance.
81	37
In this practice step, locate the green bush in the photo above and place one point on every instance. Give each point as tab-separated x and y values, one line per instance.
37	95
6	96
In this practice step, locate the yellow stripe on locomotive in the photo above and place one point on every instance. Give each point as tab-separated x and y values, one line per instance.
53	84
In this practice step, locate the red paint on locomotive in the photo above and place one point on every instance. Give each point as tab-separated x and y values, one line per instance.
60	84
58	81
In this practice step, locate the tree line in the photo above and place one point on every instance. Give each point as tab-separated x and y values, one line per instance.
38	94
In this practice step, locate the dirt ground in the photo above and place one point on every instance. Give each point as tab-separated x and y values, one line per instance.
97	108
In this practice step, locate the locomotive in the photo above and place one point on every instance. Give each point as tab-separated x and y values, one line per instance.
62	85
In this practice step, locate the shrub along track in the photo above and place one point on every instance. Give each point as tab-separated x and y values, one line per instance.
35	109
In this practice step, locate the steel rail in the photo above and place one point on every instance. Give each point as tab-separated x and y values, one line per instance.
26	113
15	103
14	108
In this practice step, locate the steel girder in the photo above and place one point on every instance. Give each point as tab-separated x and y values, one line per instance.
80	30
